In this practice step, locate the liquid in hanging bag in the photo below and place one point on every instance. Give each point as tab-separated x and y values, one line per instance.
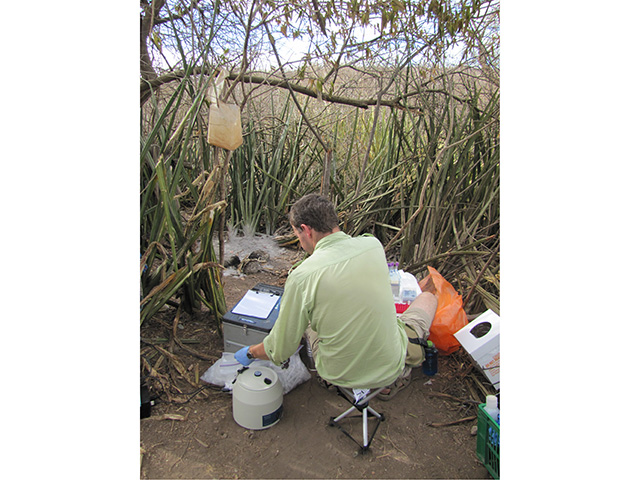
225	127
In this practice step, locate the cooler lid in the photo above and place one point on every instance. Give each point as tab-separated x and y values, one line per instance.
259	308
257	378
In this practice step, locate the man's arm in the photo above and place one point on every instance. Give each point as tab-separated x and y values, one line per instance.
258	351
284	337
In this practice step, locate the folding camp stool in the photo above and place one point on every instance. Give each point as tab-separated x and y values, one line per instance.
361	405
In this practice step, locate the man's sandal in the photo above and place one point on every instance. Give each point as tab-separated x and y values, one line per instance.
393	389
324	384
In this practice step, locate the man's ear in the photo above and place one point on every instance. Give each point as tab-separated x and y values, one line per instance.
306	229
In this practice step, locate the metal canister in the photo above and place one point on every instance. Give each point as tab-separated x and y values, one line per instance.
257	398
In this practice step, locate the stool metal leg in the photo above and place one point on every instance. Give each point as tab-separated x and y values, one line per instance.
340	417
363	406
365	434
374	412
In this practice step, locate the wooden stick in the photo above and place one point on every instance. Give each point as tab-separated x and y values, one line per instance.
195	353
451	397
455	422
473	287
479	384
165	340
174	331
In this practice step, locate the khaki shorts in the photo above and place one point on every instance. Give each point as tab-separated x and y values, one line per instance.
419	320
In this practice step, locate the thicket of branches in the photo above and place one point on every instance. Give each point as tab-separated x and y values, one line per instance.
391	108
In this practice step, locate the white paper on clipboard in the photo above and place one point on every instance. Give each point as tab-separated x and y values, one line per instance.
256	304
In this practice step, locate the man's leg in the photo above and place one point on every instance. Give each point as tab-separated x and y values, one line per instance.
421	313
311	338
419	316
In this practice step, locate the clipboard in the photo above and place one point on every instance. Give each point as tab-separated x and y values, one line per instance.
258	308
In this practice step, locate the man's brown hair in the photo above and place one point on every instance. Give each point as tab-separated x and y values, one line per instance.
316	211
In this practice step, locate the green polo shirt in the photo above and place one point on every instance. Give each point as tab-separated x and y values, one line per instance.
342	290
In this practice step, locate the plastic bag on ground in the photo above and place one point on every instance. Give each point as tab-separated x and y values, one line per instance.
450	316
224	371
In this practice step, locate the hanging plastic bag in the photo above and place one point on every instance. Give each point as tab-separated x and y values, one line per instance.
225	126
450	316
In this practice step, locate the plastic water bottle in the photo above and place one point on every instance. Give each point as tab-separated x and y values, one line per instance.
394	278
491	407
493	436
430	364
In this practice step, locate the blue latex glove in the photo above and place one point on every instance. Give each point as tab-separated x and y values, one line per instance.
241	356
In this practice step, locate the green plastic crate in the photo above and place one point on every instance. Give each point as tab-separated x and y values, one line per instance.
488	442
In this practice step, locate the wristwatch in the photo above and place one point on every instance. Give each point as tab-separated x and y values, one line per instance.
249	354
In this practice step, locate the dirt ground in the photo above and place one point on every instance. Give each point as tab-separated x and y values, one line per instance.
193	435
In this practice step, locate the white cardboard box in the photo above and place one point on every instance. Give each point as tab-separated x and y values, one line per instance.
481	339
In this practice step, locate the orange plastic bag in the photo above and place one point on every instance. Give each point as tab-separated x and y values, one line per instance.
450	316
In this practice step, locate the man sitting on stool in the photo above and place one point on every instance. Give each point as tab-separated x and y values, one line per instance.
341	299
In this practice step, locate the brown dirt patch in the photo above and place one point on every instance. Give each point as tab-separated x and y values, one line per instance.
195	436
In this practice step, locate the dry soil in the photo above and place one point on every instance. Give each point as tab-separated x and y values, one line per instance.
195	436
